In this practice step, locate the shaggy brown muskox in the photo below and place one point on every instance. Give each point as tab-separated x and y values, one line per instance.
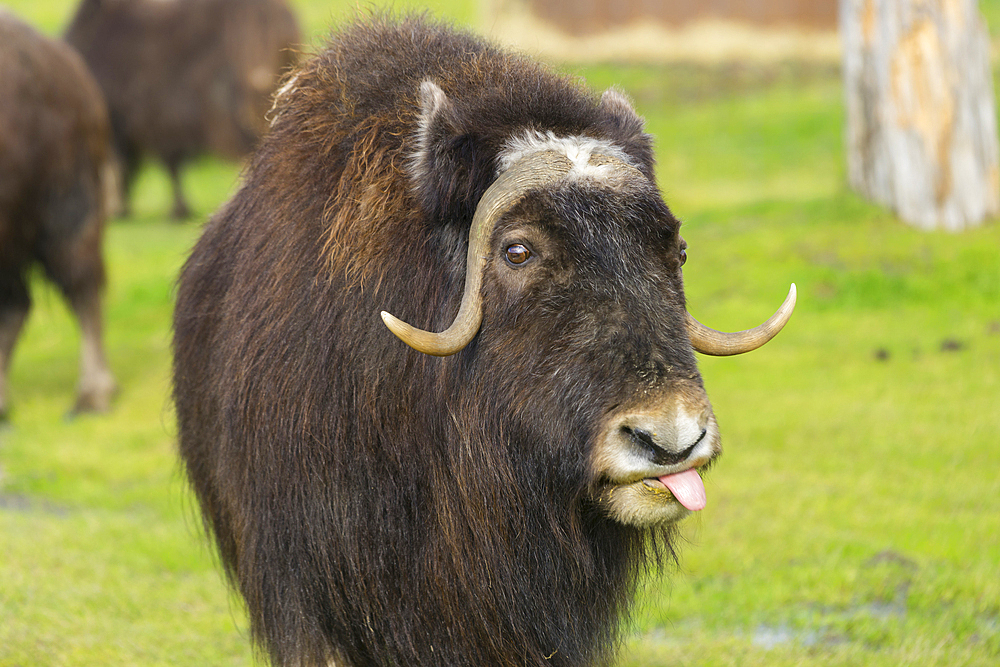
54	141
185	77
488	495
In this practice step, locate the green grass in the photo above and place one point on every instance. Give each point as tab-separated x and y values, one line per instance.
853	520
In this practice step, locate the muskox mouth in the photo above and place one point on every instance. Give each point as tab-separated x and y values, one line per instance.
685	487
651	501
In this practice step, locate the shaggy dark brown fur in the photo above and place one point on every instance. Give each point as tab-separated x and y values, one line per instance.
185	77
54	142
377	506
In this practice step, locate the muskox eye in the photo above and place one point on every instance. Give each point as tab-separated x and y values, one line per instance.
684	256
518	254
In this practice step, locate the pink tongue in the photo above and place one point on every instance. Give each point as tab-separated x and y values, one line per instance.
687	487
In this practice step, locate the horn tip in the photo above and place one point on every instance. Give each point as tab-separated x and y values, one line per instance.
391	321
397	326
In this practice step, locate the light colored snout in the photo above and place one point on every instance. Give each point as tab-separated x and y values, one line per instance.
663	439
642	449
673	434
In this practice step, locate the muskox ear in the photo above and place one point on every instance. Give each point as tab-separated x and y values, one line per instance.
628	128
619	110
437	127
443	165
435	107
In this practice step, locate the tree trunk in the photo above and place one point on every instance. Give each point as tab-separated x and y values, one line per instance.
921	117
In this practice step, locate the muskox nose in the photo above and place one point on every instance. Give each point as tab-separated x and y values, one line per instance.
662	436
662	451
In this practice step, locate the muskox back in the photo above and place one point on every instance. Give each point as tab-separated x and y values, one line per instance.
54	177
185	77
496	503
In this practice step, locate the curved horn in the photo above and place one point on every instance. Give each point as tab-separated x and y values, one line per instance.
533	171
719	344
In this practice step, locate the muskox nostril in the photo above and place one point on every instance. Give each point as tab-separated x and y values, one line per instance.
659	454
642	437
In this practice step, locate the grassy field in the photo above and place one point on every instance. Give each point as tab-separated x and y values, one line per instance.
854	519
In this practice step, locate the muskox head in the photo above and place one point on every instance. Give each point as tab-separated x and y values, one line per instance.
574	301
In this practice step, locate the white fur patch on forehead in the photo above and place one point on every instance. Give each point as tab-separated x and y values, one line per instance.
578	149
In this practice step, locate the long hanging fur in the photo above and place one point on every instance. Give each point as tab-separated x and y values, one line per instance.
376	506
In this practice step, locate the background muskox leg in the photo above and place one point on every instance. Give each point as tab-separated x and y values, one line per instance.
14	304
130	159
180	210
77	268
97	385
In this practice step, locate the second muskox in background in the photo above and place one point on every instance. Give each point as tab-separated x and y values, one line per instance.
185	77
54	172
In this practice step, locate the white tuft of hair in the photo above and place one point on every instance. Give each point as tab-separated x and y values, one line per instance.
287	88
433	101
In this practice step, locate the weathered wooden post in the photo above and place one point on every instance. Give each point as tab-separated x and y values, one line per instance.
921	117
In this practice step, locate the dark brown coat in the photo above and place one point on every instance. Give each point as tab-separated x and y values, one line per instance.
185	77
378	506
54	173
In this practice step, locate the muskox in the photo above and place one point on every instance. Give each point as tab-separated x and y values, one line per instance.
54	166
381	494
184	77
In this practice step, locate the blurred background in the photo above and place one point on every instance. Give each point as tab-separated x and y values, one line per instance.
854	518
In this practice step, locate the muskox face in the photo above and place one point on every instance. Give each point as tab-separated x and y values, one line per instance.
574	299
584	293
583	296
